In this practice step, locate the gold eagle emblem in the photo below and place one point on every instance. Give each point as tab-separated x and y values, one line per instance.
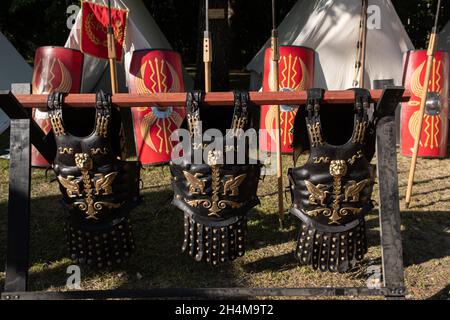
104	183
72	187
196	185
232	184
353	189
317	193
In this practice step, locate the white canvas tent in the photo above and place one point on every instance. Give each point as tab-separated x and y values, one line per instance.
13	69
142	33
331	28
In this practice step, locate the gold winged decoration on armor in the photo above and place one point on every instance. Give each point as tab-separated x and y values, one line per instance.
104	183
72	187
196	185
317	193
353	189
101	183
232	184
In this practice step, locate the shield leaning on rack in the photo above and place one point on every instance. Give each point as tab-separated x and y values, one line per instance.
154	71
56	69
434	135
295	73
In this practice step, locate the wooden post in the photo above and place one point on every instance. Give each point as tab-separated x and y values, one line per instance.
389	207
18	206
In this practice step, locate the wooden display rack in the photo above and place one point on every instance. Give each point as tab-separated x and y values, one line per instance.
24	132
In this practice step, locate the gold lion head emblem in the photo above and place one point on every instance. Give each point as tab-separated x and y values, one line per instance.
338	168
83	161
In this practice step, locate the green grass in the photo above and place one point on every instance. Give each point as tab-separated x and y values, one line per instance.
269	261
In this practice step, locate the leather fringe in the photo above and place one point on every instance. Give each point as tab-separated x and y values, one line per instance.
101	246
334	252
213	244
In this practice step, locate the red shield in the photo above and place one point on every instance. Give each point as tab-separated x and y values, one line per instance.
56	69
153	71
296	72
434	135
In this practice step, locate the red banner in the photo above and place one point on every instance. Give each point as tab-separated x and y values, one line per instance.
433	138
94	21
296	72
56	69
155	71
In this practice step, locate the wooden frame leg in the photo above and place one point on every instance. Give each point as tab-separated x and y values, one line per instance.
391	240
18	206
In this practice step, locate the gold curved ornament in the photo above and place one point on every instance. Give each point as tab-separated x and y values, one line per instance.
416	85
288	74
431	129
158	80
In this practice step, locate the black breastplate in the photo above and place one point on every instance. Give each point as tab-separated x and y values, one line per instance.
331	193
98	189
215	195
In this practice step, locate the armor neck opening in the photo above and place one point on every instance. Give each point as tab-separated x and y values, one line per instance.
79	122
337	123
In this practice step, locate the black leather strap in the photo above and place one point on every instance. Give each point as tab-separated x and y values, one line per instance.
103	103
55	102
314	99
362	102
241	113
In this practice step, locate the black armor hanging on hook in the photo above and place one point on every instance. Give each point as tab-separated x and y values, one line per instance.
98	189
215	195
331	192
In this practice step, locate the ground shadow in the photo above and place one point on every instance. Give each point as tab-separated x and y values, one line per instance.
157	262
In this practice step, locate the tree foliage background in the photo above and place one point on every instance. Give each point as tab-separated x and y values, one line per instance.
29	24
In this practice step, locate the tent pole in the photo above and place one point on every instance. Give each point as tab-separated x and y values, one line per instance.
430	54
361	48
363	43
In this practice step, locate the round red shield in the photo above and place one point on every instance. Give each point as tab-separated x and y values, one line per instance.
153	71
295	73
434	135
56	69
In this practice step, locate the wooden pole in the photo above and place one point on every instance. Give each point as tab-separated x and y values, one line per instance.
361	48
276	87
363	44
430	56
207	50
111	52
178	99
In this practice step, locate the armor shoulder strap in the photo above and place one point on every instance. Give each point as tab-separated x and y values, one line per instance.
241	113
313	124
362	104
102	114
308	120
55	101
193	102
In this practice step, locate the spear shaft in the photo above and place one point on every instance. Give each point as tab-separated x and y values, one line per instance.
111	52
207	50
275	87
430	57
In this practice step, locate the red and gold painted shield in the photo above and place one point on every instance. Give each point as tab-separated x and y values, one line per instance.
434	135
56	69
296	72
153	71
